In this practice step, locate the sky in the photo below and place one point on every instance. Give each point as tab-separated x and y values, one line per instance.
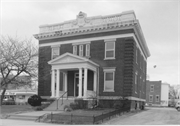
159	20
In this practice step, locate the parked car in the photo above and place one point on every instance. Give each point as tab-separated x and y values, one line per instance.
178	105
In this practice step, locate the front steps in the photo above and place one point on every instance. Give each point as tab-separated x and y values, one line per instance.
53	106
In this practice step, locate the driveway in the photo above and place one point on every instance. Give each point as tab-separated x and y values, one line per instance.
151	116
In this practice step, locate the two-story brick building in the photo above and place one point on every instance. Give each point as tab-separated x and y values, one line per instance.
104	57
153	93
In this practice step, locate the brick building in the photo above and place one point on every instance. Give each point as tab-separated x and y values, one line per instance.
103	57
153	93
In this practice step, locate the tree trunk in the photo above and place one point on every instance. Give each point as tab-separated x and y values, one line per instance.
2	96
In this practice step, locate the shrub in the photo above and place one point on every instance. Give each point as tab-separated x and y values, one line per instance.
35	100
74	106
82	104
67	108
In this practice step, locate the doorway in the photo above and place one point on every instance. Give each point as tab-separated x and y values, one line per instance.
76	84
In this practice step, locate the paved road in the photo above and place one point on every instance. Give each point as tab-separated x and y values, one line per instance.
154	116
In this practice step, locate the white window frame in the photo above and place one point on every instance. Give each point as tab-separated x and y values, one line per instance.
87	50
151	88
110	41
150	98
156	98
52	51
135	82
109	70
75	49
81	50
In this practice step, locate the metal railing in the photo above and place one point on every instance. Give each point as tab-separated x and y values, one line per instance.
62	98
84	119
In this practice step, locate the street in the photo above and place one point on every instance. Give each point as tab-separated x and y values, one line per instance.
151	116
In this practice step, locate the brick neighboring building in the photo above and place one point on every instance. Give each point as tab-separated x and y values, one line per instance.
104	57
153	93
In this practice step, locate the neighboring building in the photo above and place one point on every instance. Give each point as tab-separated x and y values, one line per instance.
164	94
103	57
153	93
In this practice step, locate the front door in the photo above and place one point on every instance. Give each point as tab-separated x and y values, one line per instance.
76	85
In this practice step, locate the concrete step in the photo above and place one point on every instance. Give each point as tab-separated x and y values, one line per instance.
23	117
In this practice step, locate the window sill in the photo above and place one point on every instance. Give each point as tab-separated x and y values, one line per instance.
109	91
109	58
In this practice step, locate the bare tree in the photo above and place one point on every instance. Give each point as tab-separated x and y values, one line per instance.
17	57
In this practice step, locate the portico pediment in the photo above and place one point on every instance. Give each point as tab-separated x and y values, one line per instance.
69	58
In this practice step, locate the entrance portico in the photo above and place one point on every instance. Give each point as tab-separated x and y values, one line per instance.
75	64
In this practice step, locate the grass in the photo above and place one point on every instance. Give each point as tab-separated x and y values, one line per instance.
7	109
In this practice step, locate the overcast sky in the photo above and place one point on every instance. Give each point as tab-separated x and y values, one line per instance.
158	20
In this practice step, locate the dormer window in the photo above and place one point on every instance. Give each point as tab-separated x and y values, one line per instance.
55	51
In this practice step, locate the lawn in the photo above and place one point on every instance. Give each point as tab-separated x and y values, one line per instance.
6	109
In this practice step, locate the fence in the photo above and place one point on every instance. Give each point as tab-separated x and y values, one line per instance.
80	119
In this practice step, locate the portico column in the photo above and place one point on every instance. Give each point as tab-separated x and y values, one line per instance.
57	82
80	82
52	83
85	81
95	81
65	81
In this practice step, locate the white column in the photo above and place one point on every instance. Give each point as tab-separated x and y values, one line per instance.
80	82
57	82
53	83
65	81
95	81
85	81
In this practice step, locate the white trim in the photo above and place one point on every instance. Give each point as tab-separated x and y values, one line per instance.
94	39
134	98
81	43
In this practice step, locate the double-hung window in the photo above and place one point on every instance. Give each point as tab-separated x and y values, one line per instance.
80	50
87	50
55	52
152	88
150	98
75	49
157	98
109	74
110	49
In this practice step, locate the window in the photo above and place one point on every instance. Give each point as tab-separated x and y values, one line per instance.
87	50
136	55
75	50
80	50
110	49
55	52
109	79
152	88
143	85
136	81
150	98
157	98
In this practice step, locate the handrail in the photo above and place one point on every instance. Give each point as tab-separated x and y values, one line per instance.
62	98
